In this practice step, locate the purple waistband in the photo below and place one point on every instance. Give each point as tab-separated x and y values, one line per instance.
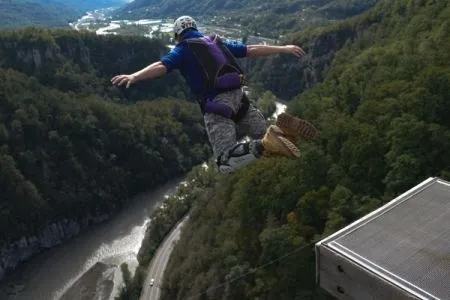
218	108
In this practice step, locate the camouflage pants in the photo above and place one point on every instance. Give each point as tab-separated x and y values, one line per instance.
224	133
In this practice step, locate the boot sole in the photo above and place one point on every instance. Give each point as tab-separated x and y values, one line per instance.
295	126
290	148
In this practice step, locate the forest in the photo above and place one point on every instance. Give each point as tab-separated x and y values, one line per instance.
38	13
71	144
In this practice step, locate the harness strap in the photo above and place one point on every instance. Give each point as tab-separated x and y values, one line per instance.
245	104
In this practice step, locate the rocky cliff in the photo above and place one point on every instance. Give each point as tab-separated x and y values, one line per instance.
12	254
287	76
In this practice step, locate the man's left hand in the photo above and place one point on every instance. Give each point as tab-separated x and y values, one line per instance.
295	50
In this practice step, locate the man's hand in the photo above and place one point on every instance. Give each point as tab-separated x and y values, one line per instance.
124	79
154	70
295	50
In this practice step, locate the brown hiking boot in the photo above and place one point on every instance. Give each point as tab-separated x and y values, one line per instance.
295	127
274	142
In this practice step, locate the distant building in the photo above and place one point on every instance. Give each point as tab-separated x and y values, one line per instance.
399	251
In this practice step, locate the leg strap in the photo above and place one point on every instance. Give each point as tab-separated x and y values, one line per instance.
245	104
238	157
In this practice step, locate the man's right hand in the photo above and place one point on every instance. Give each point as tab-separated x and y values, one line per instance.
124	79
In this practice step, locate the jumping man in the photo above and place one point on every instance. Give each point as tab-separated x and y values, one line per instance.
212	72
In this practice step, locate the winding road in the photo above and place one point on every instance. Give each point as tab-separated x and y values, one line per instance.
159	263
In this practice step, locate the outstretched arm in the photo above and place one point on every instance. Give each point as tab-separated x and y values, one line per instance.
265	50
154	70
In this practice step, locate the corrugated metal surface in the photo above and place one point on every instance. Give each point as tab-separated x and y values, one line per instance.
409	243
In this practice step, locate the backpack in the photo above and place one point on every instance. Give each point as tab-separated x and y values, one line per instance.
220	72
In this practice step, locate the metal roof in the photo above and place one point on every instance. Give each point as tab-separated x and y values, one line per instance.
406	241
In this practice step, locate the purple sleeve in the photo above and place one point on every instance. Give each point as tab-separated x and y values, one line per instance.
236	48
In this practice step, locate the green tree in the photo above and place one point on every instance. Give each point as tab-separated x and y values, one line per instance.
266	103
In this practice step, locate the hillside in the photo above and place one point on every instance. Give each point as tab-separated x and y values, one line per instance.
204	7
74	148
268	18
44	13
48	13
85	5
382	109
84	63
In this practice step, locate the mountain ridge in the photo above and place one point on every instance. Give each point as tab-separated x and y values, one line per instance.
48	13
45	13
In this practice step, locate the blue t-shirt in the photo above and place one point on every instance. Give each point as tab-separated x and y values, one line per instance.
182	59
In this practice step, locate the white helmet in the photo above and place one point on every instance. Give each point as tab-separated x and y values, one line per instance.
183	23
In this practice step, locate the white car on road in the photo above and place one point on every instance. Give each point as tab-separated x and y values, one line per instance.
152	281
